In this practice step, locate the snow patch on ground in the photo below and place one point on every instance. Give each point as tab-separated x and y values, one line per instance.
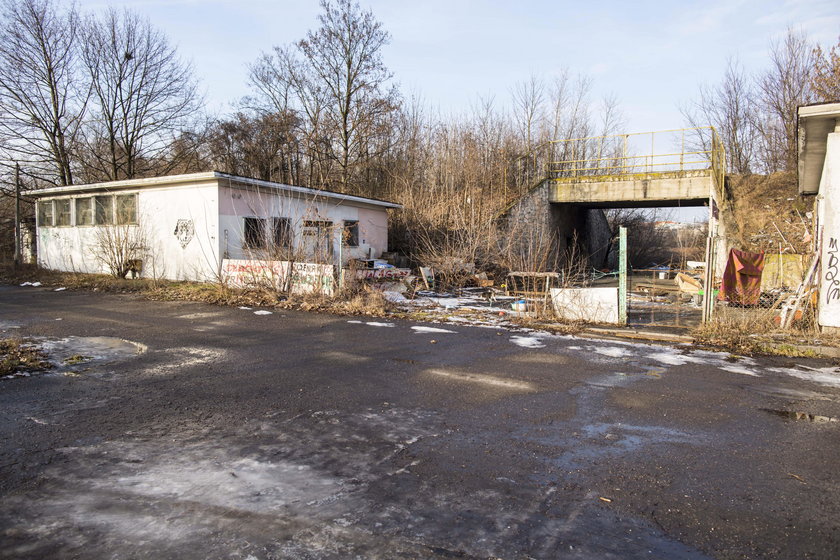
372	323
613	351
527	341
431	330
262	312
394	297
827	376
490	380
740	369
176	359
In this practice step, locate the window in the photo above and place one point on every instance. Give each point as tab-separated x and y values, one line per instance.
84	211
104	210
62	212
351	233
282	230
45	213
126	209
254	233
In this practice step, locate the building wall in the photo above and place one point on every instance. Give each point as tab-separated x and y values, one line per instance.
195	207
829	219
72	248
237	203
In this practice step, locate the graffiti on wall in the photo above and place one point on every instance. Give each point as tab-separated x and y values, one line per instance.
184	232
308	278
305	278
383	273
832	272
242	273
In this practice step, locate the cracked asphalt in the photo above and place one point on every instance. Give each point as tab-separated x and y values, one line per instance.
196	431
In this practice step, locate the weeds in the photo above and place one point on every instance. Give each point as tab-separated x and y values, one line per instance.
21	356
755	331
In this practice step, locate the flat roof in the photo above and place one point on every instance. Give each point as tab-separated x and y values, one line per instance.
815	123
173	180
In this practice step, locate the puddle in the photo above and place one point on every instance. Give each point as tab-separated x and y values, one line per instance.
801	416
72	354
66	351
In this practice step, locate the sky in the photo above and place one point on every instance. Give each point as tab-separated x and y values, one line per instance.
652	56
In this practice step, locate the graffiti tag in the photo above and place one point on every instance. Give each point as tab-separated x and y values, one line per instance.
383	273
184	232
832	275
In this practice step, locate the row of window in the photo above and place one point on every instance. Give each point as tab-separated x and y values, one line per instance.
277	232
118	209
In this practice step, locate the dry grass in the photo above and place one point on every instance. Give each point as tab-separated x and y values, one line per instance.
754	331
552	325
354	300
18	356
767	211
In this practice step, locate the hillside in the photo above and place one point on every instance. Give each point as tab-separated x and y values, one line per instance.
767	214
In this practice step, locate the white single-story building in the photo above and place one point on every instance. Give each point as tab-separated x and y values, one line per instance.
188	224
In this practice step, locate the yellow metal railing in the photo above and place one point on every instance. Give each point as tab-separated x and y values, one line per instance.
675	150
680	149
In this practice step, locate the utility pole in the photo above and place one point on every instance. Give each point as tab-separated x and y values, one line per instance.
17	216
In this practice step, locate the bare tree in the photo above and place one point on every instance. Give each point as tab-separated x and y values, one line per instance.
648	243
41	100
781	89
143	95
730	108
263	146
528	110
826	78
120	249
344	54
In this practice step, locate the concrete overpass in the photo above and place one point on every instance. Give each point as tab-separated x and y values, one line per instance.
636	190
575	179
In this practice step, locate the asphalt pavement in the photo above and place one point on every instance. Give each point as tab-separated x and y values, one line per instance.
185	430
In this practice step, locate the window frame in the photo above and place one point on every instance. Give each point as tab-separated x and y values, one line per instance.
42	206
350	234
117	218
323	233
96	207
57	203
76	204
250	234
282	236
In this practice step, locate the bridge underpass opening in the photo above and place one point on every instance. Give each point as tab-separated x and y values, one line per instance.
577	180
665	264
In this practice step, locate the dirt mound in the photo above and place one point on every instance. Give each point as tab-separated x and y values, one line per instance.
768	213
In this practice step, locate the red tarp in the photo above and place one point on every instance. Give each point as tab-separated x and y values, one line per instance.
742	278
